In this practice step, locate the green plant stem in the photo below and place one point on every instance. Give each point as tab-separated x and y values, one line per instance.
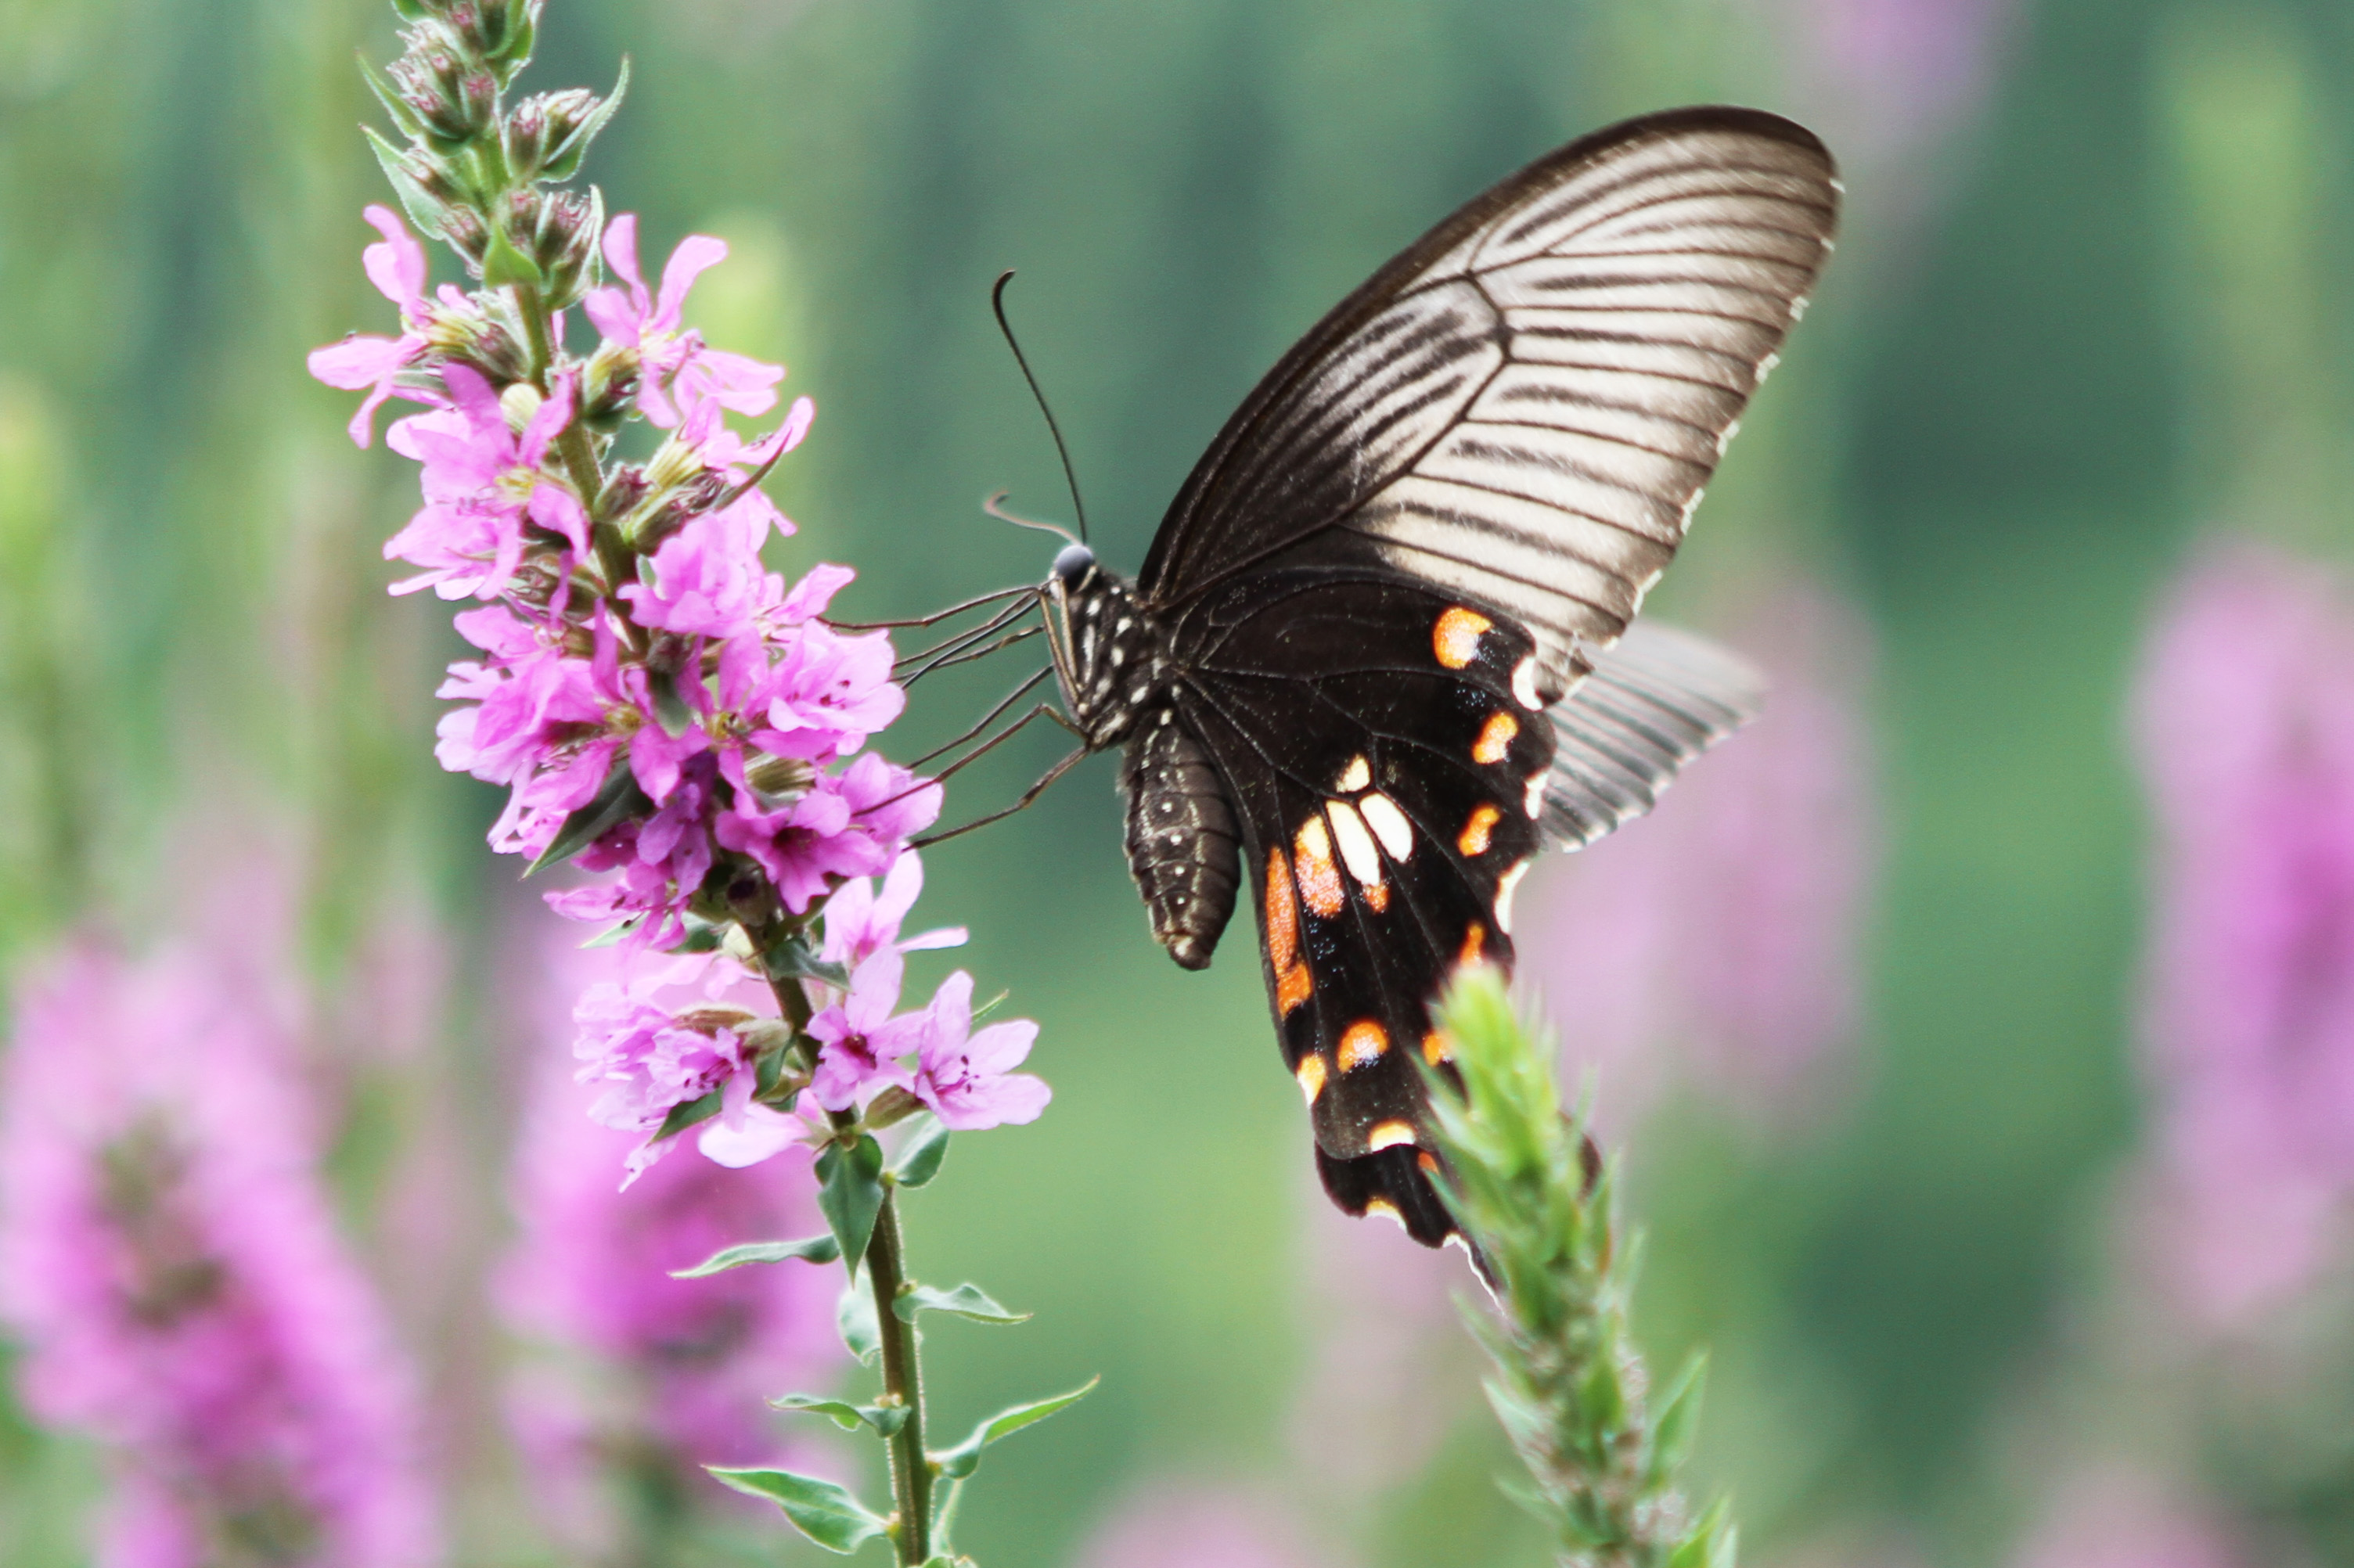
902	1381
578	457
886	1275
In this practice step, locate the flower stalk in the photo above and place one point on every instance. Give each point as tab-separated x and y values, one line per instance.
670	713
1537	1203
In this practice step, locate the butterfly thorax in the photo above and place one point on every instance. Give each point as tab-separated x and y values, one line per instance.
1111	659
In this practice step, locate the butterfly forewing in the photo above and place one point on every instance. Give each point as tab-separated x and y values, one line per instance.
1523	408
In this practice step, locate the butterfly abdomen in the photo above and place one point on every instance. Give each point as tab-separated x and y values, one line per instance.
1181	837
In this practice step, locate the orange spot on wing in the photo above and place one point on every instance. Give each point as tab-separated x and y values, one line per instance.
1428	1161
1495	738
1377	897
1282	915
1388	1135
1436	1048
1293	983
1362	1043
1456	637
1311	1074
1319	878
1385	1208
1473	839
1475	943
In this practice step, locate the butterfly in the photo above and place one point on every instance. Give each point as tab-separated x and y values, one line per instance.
1382	648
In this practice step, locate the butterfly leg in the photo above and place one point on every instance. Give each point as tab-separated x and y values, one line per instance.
988	718
1073	760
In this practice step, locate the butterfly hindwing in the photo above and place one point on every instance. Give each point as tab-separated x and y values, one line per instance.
1381	762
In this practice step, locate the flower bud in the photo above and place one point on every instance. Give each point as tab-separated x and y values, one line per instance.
466	236
547	133
558	231
451	96
609	384
778	779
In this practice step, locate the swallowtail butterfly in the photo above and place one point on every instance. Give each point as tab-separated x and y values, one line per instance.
1381	652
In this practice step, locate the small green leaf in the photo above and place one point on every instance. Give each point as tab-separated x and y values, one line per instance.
850	1191
790	959
920	1161
671	709
423	211
826	1513
965	1301
404	119
809	1249
687	1112
855	1319
886	1419
564	162
613	934
961	1461
1712	1543
1678	1419
616	800
503	265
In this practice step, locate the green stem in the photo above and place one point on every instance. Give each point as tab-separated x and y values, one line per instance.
579	459
902	1381
886	1275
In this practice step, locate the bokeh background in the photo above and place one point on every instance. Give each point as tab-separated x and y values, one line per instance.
1978	1029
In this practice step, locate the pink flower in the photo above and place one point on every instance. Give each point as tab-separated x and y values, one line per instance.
671	358
969	1079
860	923
172	1268
483	484
853	825
707	579
2245	733
860	1044
628	1362
397	267
827	694
1197	1526
649	1059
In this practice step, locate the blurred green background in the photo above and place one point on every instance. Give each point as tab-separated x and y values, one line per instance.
2096	256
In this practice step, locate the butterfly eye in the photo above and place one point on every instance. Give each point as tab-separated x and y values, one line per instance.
1073	562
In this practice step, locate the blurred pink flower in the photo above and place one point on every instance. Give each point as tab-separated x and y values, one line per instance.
2123	1519
2244	732
637	1367
1198	1525
1711	946
171	1265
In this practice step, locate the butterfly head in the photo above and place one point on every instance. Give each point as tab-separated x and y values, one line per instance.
1110	658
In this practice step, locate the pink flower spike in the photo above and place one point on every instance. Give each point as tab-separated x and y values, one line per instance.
969	1083
397	267
630	316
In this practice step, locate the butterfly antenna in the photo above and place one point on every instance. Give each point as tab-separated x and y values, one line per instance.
1070	475
994	507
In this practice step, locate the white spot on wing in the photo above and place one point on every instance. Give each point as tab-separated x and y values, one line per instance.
1355	777
1356	845
1389	825
1524	683
1504	891
1534	804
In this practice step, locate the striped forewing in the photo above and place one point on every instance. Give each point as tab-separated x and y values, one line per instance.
1523	408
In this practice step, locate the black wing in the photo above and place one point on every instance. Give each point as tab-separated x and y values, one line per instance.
1388	775
1523	408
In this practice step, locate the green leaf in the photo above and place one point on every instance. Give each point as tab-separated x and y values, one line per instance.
671	709
404	119
886	1419
423	211
961	1461
503	265
613	934
564	162
965	1301
686	1114
855	1319
850	1191
809	1249
920	1161
791	959
1711	1544
616	800
1678	1420
826	1513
